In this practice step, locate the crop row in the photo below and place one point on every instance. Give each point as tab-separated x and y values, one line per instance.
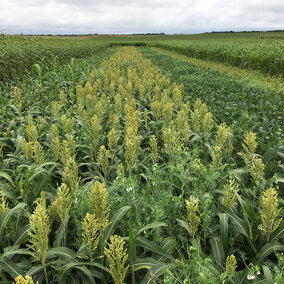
267	57
19	55
127	153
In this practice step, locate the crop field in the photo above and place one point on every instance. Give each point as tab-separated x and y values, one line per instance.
120	163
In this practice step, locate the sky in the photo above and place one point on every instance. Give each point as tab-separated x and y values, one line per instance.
138	16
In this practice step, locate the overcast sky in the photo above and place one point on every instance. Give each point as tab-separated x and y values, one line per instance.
139	16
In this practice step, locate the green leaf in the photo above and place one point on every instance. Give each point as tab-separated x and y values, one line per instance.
59	234
10	267
183	224
240	225
277	233
155	272
267	274
6	217
268	249
218	251
61	252
35	270
85	270
82	267
151	226
248	209
144	263
114	221
14	252
224	228
142	242
168	246
7	177
132	245
22	236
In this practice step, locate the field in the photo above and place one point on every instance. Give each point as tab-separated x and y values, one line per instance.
124	162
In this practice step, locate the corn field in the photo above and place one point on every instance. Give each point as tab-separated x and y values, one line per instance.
114	172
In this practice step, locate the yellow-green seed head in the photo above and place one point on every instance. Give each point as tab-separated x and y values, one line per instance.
98	199
167	111
198	167
38	153
70	175
216	156
103	159
27	148
62	205
207	123
177	96
24	280
17	95
117	256
91	232
1	150
222	135
249	147
153	146
256	168
31	130
54	108
39	223
231	265
230	193
269	212
113	139
192	219
95	129
62	98
3	204
156	107
196	120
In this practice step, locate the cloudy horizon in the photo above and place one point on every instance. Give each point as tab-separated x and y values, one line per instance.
140	16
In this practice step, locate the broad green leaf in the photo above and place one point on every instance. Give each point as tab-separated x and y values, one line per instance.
144	263
154	273
183	224
81	266
114	221
35	270
268	249
14	252
7	177
142	242
132	245
168	246
6	217
10	267
151	226
83	269
59	234
240	225
267	274
224	228
218	251
248	209
61	252
22	236
277	233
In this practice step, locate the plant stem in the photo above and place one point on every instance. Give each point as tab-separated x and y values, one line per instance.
45	274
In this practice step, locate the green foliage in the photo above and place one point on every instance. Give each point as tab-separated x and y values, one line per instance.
131	150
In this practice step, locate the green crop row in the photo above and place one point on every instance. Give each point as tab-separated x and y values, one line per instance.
266	56
179	161
18	55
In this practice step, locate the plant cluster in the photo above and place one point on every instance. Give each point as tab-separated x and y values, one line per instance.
123	177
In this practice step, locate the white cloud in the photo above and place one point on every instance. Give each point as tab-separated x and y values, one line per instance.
126	16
